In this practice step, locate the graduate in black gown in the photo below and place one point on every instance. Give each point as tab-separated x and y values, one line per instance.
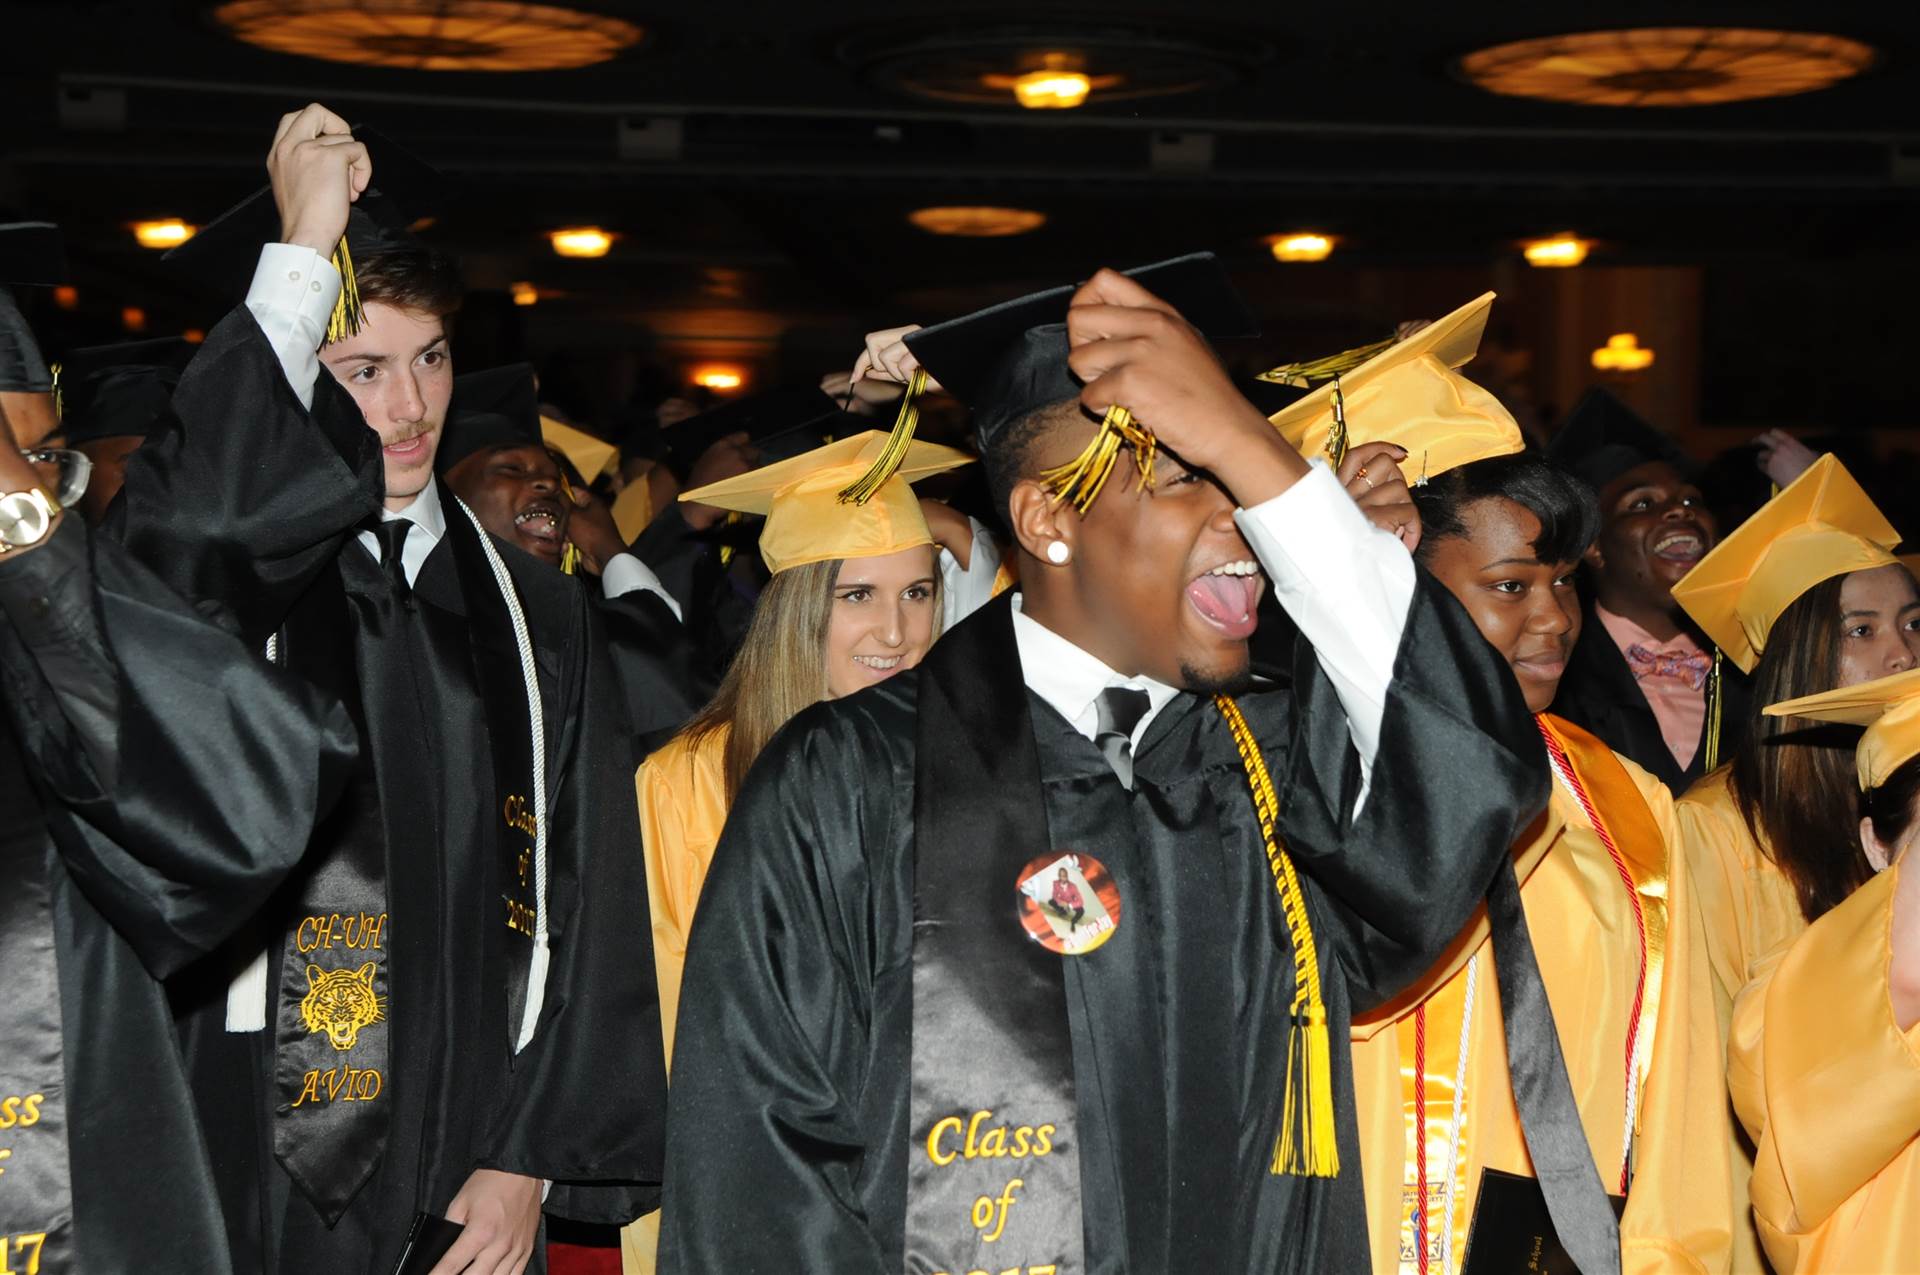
111	398
442	1012
495	458
894	1054
127	852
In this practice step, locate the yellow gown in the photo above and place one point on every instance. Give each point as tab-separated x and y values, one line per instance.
1829	1087
1587	937
683	806
1750	915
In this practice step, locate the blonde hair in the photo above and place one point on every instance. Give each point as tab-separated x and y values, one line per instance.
780	668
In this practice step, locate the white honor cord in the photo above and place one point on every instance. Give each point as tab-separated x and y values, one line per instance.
1450	1194
530	674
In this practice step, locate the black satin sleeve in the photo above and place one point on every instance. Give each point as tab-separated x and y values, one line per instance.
768	1166
245	495
1461	772
184	773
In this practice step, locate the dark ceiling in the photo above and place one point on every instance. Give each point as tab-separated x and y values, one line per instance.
783	159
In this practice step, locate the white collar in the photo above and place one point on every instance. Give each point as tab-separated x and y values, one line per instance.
1070	679
425	512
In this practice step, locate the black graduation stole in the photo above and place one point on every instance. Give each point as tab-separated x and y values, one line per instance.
331	1048
36	1188
993	1165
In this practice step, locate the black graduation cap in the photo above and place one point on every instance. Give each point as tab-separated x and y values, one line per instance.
1010	360
32	254
120	390
1603	438
782	424
499	407
403	190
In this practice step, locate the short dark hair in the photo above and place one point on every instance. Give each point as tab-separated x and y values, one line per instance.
1568	511
410	277
1014	453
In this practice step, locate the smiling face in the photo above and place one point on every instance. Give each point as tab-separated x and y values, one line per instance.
516	493
1653	528
398	370
1527	609
1879	624
882	619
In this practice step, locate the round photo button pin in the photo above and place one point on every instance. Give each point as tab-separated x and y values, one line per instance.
1068	902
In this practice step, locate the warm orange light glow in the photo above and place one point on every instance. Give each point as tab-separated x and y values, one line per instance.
581	241
1305	246
194	336
170	233
67	297
720	376
431	35
1561	250
525	294
133	319
1622	353
977	222
1051	90
1667	66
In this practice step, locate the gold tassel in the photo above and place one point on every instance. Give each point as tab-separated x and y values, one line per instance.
1303	375
1080	480
1337	435
347	315
59	393
733	518
1306	1145
570	558
895	451
1714	689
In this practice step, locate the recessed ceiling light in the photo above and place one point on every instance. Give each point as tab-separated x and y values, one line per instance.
1301	246
431	35
581	241
168	233
1623	353
1667	66
1560	250
720	376
525	294
975	222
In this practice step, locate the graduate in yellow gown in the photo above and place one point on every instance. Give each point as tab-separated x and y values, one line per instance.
1505	533
855	597
1828	1080
1806	596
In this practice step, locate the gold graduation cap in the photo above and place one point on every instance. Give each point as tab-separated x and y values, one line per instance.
808	517
1823	525
591	456
1889	707
1404	392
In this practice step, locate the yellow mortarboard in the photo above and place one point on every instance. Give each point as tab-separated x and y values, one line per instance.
1823	525
1407	393
591	456
807	519
1889	707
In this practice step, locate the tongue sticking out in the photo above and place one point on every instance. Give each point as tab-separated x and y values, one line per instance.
1227	602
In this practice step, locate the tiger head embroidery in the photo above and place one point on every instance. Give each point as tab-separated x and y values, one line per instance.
340	1003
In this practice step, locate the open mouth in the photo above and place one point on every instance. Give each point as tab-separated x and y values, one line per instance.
539	521
1228	597
880	667
1682	544
409	450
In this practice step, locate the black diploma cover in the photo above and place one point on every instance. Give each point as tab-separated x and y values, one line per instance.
1512	1233
993	1168
428	1240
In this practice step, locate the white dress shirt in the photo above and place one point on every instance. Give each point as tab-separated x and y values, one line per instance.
291	298
964	590
1345	583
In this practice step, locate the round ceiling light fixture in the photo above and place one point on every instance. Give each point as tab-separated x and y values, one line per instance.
170	232
977	222
1667	66
1041	65
1559	251
581	241
431	35
1304	245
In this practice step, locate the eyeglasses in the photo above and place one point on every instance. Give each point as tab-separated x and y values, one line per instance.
63	471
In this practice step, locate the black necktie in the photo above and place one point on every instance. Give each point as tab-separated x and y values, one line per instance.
1120	709
392	535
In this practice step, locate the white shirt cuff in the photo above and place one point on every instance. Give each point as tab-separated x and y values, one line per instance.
964	590
623	573
291	298
1347	585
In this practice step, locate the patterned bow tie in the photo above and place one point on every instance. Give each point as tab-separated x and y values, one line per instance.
1691	668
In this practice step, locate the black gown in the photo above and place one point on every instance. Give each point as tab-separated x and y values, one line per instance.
1599	694
251	501
656	666
788	1133
132	714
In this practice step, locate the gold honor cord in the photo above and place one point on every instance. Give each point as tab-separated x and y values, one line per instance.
347	315
1306	1145
1715	688
895	451
1079	481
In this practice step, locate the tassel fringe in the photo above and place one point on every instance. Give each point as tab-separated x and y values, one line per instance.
1303	375
1715	687
895	452
347	315
1306	1145
1081	480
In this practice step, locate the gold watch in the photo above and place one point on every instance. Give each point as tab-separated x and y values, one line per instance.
26	517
